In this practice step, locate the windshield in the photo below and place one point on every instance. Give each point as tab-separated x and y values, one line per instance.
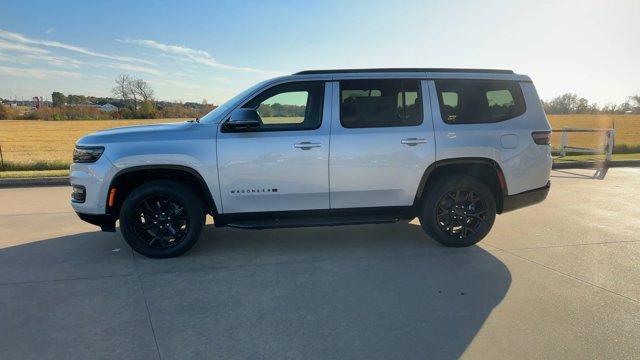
214	114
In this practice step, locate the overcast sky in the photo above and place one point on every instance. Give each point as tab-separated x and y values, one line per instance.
190	50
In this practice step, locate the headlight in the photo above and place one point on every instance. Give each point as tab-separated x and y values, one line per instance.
87	154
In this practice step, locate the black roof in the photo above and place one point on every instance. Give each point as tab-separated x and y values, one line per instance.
489	71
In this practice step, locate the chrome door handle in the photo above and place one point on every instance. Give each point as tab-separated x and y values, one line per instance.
413	141
306	145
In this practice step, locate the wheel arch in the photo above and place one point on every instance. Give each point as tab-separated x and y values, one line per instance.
125	180
484	169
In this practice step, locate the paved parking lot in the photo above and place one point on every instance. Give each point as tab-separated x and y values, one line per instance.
556	280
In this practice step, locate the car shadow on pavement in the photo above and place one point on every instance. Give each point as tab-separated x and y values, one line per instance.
369	291
599	174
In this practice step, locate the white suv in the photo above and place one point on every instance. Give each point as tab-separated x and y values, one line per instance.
453	147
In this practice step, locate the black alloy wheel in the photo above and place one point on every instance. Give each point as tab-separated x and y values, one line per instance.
162	219
458	210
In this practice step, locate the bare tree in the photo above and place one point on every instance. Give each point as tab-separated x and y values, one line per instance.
122	89
141	88
130	90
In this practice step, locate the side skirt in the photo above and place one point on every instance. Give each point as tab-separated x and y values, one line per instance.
304	218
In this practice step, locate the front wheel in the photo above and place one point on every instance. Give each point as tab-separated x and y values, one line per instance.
458	211
161	219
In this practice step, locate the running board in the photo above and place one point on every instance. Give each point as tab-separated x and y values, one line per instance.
311	221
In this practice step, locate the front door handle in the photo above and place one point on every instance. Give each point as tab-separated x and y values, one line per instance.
306	145
413	141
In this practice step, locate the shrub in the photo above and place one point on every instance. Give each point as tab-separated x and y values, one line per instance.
147	110
626	149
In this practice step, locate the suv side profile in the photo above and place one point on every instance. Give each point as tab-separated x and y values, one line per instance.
453	147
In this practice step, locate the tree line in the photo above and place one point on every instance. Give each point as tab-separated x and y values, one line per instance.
280	110
133	97
570	103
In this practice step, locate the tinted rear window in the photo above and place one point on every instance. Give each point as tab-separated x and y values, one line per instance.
479	101
380	103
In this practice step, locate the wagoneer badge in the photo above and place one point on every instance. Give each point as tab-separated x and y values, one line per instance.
253	191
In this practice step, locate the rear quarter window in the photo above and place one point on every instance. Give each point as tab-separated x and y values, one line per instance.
479	101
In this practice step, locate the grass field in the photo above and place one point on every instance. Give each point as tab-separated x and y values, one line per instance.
36	142
33	144
627	129
33	174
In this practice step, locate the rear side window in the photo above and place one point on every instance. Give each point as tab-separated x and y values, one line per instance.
380	103
479	101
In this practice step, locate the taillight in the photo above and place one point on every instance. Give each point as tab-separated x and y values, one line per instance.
541	137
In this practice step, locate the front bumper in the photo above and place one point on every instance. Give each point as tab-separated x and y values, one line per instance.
105	222
527	198
94	178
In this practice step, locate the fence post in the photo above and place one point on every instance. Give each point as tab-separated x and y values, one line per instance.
1	159
563	143
610	135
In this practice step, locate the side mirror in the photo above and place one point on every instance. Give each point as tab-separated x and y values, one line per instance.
243	120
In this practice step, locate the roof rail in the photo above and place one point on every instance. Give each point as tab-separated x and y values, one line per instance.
377	70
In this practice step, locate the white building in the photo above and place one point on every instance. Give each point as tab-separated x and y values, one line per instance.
108	108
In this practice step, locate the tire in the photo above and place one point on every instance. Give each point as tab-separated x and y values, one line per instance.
458	211
161	219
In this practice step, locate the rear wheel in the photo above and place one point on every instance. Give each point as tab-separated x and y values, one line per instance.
458	211
161	219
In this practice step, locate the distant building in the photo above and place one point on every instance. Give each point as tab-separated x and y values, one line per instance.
108	108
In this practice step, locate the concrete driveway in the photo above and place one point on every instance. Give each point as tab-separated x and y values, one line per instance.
556	280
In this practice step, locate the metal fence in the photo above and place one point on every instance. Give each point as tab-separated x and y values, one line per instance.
606	148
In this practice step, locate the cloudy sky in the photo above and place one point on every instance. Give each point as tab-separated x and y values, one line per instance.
191	50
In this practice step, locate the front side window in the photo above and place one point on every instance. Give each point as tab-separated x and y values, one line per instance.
479	101
291	106
380	103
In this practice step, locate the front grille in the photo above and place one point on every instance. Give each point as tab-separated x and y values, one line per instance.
79	194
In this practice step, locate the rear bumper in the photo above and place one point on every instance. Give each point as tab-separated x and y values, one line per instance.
105	222
517	201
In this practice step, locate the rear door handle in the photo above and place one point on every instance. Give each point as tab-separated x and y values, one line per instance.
306	145
413	141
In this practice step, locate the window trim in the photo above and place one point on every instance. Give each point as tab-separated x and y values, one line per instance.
402	89
519	94
284	127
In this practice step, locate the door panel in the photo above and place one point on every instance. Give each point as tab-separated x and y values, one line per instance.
276	170
379	166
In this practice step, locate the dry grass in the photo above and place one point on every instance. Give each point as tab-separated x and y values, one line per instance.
627	129
27	142
32	141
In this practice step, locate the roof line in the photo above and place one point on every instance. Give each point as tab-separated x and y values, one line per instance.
379	70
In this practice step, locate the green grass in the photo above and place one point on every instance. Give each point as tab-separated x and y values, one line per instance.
590	157
33	174
626	149
35	165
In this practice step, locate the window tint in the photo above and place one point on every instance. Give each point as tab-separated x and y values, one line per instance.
284	108
380	103
291	106
450	99
355	93
479	101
